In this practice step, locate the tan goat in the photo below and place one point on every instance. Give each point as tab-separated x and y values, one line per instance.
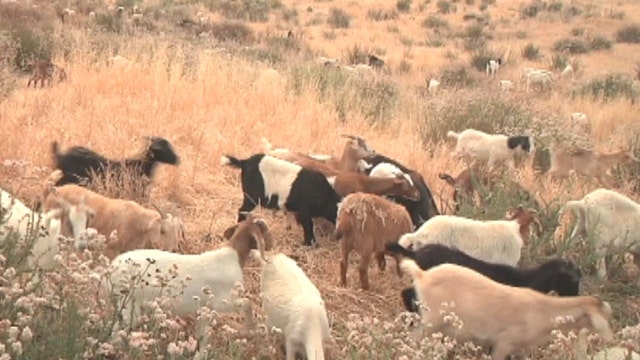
366	223
509	319
596	164
45	70
136	227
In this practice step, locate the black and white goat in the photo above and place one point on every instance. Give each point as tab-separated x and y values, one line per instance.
278	184
420	210
80	164
557	275
492	148
493	66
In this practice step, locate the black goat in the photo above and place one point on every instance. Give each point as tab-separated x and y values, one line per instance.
375	62
557	275
421	210
80	164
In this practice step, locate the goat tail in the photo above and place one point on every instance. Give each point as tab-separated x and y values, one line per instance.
231	161
55	152
342	228
410	267
448	178
398	249
453	134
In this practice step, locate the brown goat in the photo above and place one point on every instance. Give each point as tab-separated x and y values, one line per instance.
525	218
366	223
346	183
564	161
137	227
45	70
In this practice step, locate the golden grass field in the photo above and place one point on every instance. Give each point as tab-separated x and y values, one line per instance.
226	107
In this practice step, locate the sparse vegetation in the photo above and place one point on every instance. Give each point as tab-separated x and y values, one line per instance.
608	88
531	52
558	62
338	18
571	46
381	15
456	76
435	22
628	34
600	42
446	7
403	5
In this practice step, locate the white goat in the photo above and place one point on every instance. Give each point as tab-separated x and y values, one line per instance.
492	148
567	72
293	304
612	219
493	66
327	61
157	273
509	319
506	85
540	77
495	241
433	86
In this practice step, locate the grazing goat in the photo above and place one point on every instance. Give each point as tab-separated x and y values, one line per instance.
558	275
471	180
493	66
41	230
365	224
420	210
375	62
506	85
326	61
509	319
564	161
433	86
567	72
79	164
293	304
491	148
45	70
213	274
494	241
136	226
278	184
540	77
355	149
612	219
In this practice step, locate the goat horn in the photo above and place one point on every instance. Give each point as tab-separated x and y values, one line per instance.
162	214
352	137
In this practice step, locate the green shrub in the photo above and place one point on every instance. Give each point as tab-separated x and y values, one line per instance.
381	15
579	31
247	10
628	34
480	58
530	10
456	76
531	52
600	42
608	87
572	46
357	55
338	18
435	22
555	6
445	7
559	62
236	31
403	5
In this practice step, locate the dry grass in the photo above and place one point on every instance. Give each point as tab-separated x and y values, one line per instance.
208	105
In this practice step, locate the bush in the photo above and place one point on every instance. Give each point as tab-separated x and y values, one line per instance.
381	15
474	38
357	55
531	52
559	62
435	22
338	18
572	46
555	6
608	88
247	10
480	58
456	76
600	42
530	10
628	34
445	7
236	31
579	31
403	5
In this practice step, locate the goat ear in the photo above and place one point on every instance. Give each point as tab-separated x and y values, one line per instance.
228	234
266	234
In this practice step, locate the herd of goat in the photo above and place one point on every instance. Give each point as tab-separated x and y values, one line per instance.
379	207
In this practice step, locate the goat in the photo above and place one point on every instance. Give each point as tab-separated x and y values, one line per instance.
293	304
509	319
45	70
494	241
433	86
539	77
506	85
155	272
375	62
613	220
366	223
493	66
81	165
136	226
567	72
420	210
558	275
278	184
326	61
564	161
491	148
